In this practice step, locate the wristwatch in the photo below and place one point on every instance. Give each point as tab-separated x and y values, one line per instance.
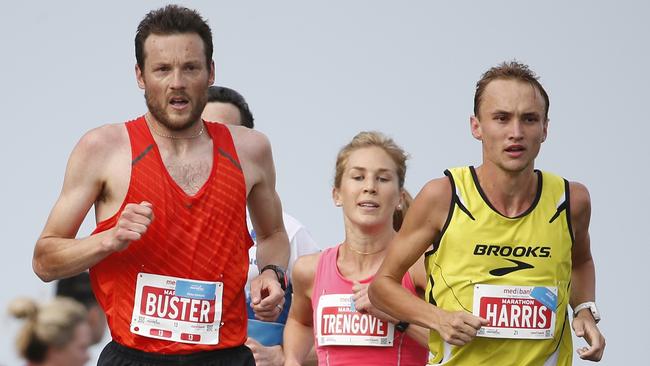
279	273
591	306
401	326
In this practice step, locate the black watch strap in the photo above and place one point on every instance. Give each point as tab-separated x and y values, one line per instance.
279	273
402	326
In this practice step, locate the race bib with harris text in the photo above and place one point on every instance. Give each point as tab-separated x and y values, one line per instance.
522	312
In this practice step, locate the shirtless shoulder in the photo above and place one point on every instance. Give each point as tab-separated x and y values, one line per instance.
104	153
580	211
105	142
254	152
580	201
435	200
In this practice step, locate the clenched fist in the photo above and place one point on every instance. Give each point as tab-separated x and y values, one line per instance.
131	225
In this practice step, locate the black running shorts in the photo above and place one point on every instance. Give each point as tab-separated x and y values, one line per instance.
114	354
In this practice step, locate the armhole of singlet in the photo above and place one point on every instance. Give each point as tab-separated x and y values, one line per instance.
319	265
107	221
452	203
567	197
223	137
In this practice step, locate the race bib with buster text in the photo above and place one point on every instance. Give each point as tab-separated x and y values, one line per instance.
177	309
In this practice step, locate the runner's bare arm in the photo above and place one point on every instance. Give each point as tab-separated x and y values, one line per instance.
266	216
422	224
583	275
266	209
298	332
419	277
57	253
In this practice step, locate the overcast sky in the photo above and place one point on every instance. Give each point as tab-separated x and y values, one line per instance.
314	75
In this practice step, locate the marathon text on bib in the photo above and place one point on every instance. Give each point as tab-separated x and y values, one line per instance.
177	309
515	311
340	324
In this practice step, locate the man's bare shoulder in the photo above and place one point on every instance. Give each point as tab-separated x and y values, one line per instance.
580	201
104	139
437	190
578	193
100	155
430	207
250	143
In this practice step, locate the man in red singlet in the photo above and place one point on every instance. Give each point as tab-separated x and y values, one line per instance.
169	257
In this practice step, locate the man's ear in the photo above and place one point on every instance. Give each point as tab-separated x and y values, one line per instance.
475	126
212	72
139	76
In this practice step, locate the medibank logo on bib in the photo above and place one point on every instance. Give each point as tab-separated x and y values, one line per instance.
342	321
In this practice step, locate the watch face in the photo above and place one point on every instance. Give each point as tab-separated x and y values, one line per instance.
401	326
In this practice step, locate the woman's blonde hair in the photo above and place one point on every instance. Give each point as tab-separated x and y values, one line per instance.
51	325
397	154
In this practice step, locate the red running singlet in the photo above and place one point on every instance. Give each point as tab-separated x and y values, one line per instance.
196	245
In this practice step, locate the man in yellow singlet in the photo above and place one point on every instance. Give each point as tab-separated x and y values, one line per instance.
511	248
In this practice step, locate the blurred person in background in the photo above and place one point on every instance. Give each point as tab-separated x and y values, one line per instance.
56	333
78	288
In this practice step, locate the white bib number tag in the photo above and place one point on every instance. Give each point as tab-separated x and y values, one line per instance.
340	324
522	312
177	309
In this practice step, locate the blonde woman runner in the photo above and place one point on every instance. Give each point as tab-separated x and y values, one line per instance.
330	301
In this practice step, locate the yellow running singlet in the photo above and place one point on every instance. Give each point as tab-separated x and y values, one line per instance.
515	272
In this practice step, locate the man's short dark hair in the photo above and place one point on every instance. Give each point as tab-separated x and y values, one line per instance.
227	95
172	19
78	288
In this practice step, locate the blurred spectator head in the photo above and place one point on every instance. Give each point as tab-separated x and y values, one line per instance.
54	333
78	288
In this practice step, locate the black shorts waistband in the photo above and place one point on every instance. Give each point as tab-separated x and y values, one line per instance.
165	359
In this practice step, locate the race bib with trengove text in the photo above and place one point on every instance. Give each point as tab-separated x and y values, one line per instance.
339	323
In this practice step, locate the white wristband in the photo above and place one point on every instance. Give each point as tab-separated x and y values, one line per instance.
588	305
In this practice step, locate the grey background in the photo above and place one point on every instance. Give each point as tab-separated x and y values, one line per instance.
315	74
